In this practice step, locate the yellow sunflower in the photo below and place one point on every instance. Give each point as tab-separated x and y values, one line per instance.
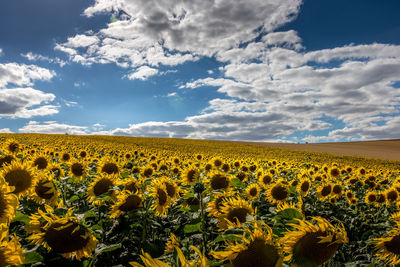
266	179
11	252
126	201
40	161
6	159
101	185
234	211
324	191
108	165
312	245
62	235
162	201
45	191
171	186
8	203
218	180
253	191
214	206
55	169
78	168
12	146
388	248
304	186
257	248
171	243
371	197
21	176
190	175
278	192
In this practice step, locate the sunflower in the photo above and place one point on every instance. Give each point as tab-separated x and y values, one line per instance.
11	252
257	248
63	235
219	198
324	191
40	161
171	243
278	192
4	160
391	196
108	165
100	186
12	146
162	200
190	175
45	191
65	157
132	185
234	211
388	248
147	171
337	190
217	162
218	180
171	186
21	176
253	191
55	169
304	186
8	203
78	168
126	201
371	197
241	175
266	179
312	245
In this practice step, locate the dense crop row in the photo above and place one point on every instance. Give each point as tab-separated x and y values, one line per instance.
105	201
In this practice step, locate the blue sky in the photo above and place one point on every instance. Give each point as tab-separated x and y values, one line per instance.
257	70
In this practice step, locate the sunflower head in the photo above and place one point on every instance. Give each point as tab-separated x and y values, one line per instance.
162	201
234	212
100	186
304	186
21	176
253	191
388	248
218	180
108	165
40	161
45	191
313	244
278	192
214	207
11	252
77	168
12	146
190	175
126	202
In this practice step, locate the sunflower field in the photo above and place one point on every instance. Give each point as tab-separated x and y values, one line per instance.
123	201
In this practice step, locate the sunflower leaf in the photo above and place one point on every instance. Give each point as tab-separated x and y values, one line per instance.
32	257
20	217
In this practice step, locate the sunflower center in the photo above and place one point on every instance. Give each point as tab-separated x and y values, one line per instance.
326	190
65	238
131	187
131	202
6	159
238	213
191	176
2	258
267	179
82	154
170	189
241	176
77	169
335	172
308	250
393	245
66	157
217	163
148	172
110	168
219	182
13	147
305	186
102	186
253	192
43	190
20	179
371	198
258	254
162	197
279	192
40	163
337	189
392	195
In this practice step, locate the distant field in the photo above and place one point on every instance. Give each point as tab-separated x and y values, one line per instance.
383	149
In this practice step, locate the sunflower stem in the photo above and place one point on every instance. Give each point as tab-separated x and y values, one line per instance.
203	222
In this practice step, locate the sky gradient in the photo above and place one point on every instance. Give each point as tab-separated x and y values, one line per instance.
255	70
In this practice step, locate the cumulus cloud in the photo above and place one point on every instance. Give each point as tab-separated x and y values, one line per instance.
142	73
37	57
52	127
5	130
23	75
26	103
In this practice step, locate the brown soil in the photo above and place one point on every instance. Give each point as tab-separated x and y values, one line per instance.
383	149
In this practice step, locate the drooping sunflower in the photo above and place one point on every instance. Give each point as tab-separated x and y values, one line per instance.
45	191
313	244
218	180
126	201
21	176
101	185
190	175
108	165
11	252
64	235
8	203
278	192
257	248
388	248
234	211
171	243
12	146
253	191
162	201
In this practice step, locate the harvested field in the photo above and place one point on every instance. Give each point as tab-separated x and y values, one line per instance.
382	149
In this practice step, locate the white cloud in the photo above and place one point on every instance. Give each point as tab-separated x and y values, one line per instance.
1	52
26	103
23	75
5	130
171	94
142	73
52	127
37	57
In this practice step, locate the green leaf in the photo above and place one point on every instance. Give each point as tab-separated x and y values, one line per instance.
125	175
90	214
20	217
32	257
108	248
73	198
191	228
290	214
237	183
